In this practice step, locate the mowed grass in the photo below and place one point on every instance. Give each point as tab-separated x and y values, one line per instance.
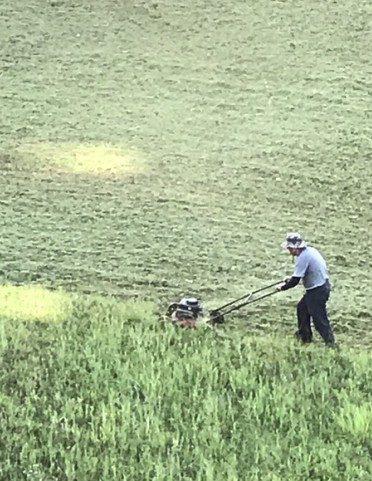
150	150
153	150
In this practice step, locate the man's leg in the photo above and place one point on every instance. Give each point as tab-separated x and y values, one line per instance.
303	321
316	300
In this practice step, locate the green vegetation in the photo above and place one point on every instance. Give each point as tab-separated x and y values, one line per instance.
154	149
109	393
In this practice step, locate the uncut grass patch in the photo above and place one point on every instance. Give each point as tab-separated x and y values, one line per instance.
112	394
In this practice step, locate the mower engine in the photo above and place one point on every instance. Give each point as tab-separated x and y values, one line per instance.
185	312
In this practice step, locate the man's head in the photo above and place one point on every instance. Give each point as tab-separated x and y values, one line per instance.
294	243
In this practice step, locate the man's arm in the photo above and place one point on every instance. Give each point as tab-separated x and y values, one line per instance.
292	282
300	270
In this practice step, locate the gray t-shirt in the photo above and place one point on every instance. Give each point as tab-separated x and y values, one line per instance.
311	267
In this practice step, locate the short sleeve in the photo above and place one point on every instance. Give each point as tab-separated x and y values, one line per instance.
301	266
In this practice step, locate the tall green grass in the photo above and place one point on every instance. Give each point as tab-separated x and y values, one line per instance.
110	393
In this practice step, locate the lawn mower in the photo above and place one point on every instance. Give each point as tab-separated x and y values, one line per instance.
186	312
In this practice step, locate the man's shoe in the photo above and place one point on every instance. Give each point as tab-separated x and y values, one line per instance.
301	339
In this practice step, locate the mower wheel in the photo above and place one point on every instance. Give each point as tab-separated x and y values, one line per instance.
215	317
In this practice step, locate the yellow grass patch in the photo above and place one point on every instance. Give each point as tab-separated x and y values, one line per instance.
97	159
33	303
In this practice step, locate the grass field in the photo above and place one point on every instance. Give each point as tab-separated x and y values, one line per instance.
154	149
101	393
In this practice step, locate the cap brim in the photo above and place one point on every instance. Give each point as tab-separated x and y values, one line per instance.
286	244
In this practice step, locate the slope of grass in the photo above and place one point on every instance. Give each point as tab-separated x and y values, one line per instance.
109	393
150	150
159	149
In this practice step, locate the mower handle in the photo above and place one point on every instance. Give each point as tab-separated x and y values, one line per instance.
239	306
249	295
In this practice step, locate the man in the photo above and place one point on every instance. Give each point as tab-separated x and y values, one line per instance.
311	268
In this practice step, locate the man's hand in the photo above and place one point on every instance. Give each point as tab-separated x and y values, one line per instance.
279	286
283	283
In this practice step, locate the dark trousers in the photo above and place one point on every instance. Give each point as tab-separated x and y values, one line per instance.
312	306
